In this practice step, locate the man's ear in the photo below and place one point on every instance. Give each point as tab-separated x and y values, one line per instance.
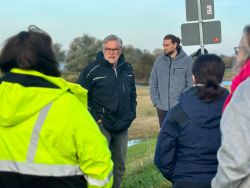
175	44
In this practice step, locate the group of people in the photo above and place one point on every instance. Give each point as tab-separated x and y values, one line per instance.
54	133
204	138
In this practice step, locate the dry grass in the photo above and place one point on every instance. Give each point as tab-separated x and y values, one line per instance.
146	123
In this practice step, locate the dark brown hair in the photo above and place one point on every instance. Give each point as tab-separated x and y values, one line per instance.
174	39
29	50
208	71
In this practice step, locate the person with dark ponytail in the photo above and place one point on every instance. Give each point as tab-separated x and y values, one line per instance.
190	134
208	72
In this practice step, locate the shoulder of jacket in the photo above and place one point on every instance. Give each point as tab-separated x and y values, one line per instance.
177	116
129	66
92	66
187	57
160	59
242	92
190	60
182	53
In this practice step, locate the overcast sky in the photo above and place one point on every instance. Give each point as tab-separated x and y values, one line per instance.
141	23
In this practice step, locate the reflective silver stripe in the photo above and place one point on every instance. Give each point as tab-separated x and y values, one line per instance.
96	78
40	169
115	71
92	70
93	181
36	131
120	65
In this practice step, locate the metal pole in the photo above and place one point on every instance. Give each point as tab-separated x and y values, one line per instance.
200	27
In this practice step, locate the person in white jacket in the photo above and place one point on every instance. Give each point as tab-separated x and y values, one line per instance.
234	153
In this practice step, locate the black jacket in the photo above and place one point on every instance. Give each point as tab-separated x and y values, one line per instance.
189	139
111	92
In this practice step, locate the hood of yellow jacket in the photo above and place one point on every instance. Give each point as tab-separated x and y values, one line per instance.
18	103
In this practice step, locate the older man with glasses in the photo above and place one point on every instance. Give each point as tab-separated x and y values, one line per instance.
112	99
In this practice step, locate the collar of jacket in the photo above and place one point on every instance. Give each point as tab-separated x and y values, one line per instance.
19	102
180	54
75	89
104	62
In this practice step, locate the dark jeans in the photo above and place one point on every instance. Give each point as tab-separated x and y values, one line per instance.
192	185
161	114
118	144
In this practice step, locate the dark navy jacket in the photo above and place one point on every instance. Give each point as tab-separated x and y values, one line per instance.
189	139
111	92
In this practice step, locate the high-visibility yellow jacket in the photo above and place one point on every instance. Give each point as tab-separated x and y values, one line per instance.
46	132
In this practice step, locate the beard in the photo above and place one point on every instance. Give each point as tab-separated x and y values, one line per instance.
169	53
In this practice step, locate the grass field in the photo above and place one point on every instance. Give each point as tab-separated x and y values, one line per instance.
140	170
146	123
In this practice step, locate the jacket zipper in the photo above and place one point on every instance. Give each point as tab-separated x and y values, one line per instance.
123	87
169	73
115	69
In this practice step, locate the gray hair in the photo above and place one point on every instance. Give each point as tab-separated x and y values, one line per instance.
112	38
246	32
245	43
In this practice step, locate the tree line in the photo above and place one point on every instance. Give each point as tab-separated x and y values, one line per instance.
83	50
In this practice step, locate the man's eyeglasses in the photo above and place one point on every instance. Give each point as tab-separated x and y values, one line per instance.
237	50
109	50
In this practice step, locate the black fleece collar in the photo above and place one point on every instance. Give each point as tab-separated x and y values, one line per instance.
27	80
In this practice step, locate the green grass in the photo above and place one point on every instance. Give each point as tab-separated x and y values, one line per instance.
140	169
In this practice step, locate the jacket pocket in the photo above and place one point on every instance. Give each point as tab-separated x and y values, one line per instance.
115	123
179	70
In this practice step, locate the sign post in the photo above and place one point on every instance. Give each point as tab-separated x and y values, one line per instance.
191	35
200	26
207	10
200	32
